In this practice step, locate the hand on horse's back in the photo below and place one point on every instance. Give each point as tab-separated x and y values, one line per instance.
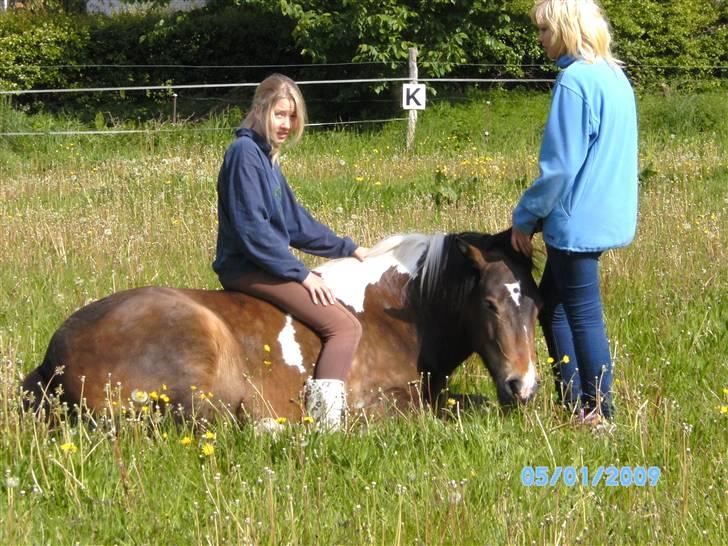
320	292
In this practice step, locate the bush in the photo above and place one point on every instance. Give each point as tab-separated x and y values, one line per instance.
681	44
33	46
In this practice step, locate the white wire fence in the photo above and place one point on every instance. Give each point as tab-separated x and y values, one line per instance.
172	89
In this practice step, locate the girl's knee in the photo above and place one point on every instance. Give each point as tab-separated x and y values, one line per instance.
355	329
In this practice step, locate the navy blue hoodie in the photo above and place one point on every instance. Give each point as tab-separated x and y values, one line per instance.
259	218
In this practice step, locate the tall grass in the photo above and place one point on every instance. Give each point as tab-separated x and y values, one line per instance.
84	216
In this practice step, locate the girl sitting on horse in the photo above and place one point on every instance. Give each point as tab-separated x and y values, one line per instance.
260	220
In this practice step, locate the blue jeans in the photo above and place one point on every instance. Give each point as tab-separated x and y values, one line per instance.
573	324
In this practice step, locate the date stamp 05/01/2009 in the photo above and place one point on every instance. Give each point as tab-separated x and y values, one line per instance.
608	476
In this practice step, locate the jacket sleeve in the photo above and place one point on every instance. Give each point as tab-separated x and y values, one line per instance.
310	235
563	153
249	203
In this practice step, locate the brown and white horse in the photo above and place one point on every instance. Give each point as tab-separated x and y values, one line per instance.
425	302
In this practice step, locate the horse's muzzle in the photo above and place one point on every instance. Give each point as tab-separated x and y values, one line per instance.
521	392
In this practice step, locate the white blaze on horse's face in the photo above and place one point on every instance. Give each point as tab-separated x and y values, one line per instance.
529	381
290	348
514	289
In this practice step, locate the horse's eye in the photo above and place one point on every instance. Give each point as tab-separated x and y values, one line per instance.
491	306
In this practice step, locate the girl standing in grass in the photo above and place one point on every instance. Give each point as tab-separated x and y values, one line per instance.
259	220
586	196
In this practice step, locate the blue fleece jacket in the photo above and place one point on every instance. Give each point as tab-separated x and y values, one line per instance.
586	193
259	218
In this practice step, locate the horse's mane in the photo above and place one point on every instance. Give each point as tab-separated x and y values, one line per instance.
433	262
443	263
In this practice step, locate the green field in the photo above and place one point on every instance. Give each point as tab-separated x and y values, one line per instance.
81	217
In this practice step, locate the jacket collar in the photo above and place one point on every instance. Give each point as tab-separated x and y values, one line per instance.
565	60
257	138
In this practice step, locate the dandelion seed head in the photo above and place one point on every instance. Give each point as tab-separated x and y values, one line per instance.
139	396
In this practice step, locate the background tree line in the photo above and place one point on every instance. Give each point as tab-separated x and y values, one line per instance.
680	44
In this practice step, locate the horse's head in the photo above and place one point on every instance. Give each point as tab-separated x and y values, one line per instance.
501	312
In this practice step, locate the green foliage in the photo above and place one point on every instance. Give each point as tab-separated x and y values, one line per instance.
30	46
60	51
675	42
681	44
652	37
446	33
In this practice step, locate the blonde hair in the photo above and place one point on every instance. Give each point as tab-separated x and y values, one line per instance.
579	26
272	89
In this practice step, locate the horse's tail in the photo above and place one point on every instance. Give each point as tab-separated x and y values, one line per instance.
39	384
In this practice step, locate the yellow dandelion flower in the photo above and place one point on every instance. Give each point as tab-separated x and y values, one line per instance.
154	395
724	409
186	441
725	391
69	447
210	395
164	386
451	402
308	420
145	409
210	435
566	359
281	420
549	360
193	388
266	348
139	396
208	449
359	179
164	435
377	183
267	363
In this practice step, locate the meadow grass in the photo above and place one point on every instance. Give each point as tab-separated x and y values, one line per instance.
84	216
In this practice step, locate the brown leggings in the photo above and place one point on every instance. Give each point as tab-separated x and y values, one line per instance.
339	330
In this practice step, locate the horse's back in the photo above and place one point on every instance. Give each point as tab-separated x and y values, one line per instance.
178	342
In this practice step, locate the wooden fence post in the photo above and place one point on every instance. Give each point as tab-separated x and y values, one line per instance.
412	122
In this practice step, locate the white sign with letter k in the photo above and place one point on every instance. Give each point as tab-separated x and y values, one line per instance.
413	96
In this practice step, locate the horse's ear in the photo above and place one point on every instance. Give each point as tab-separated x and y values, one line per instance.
472	253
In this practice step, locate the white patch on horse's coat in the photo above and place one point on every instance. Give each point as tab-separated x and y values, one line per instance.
515	291
290	348
348	278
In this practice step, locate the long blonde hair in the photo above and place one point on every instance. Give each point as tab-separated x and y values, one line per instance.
579	26
272	89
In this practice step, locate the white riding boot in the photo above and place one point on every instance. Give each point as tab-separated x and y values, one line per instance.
326	403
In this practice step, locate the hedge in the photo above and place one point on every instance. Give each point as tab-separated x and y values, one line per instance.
680	44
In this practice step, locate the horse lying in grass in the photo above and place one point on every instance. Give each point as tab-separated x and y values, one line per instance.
425	302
